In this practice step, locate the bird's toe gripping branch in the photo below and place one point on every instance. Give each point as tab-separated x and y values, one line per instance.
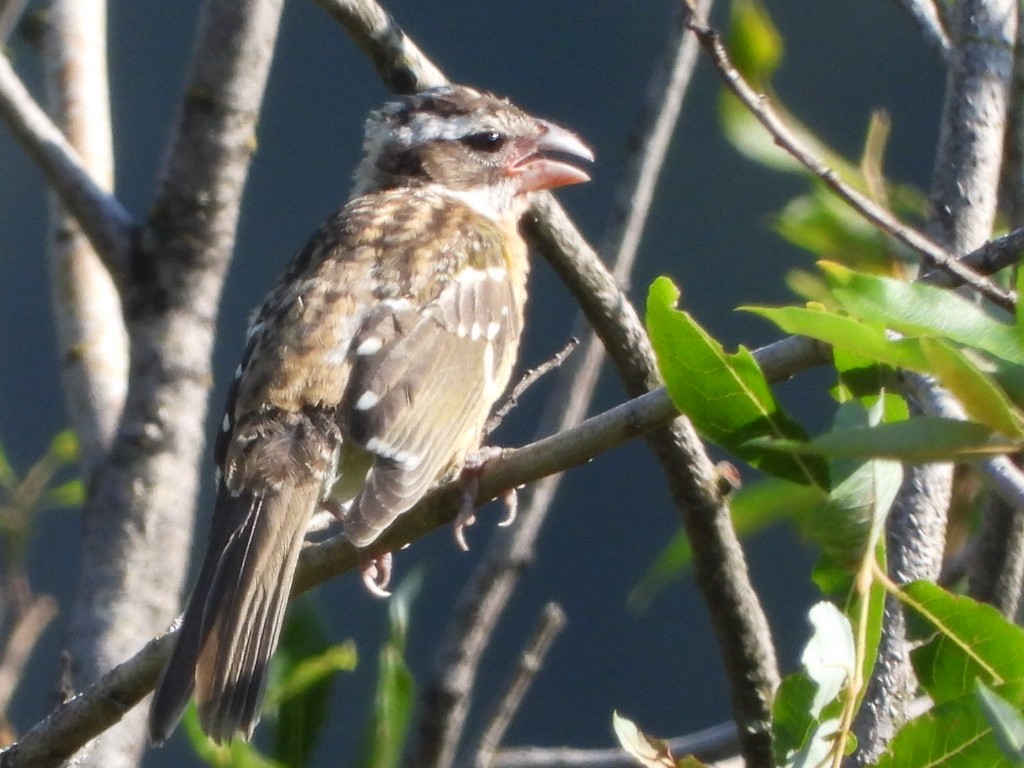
470	477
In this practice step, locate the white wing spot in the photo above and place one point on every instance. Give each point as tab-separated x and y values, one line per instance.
226	424
238	371
492	330
471	275
404	459
475	331
370	345
397	305
367	400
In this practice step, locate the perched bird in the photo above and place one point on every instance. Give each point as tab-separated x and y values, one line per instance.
367	375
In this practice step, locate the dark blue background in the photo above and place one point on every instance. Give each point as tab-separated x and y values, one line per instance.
584	64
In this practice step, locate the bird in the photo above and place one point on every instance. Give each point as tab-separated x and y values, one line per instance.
367	374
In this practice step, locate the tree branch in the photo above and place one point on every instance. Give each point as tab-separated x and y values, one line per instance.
102	217
759	106
549	625
925	15
138	518
92	341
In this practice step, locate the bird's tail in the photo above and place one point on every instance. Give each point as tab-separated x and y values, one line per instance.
232	624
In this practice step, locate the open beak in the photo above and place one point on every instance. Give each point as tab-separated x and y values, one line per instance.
535	170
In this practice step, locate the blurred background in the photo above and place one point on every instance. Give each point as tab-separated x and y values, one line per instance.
584	65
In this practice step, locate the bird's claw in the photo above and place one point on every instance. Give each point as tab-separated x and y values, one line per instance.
471	469
376	573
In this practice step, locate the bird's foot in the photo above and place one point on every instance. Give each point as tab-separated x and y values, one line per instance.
376	573
470	477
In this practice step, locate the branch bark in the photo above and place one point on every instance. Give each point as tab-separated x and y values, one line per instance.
139	512
92	341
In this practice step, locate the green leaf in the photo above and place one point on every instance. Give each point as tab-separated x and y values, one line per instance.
726	396
755	44
302	676
1005	720
753	508
807	703
952	734
983	400
846	332
852	519
64	447
69	494
396	688
970	641
917	309
916	441
237	754
826	226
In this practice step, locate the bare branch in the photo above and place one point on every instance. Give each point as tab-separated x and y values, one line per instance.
876	214
969	156
531	377
102	217
399	62
986	259
93	343
549	625
22	640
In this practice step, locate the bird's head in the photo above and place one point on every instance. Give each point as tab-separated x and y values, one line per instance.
474	145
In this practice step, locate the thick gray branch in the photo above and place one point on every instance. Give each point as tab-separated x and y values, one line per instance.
139	515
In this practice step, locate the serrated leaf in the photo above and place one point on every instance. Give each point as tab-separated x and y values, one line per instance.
647	751
916	441
918	309
726	396
753	508
1005	720
953	734
971	641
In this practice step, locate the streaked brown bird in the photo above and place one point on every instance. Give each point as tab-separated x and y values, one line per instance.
367	375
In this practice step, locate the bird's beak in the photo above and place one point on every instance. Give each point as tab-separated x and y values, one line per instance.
535	170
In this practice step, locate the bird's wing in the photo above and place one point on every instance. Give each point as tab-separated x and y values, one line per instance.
424	378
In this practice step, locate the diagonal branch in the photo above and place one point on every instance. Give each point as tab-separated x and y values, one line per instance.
760	108
102	217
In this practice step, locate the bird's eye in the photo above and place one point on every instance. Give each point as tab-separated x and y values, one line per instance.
485	141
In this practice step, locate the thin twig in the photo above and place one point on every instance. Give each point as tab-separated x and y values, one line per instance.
531	377
925	15
987	259
711	745
761	109
549	625
22	639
